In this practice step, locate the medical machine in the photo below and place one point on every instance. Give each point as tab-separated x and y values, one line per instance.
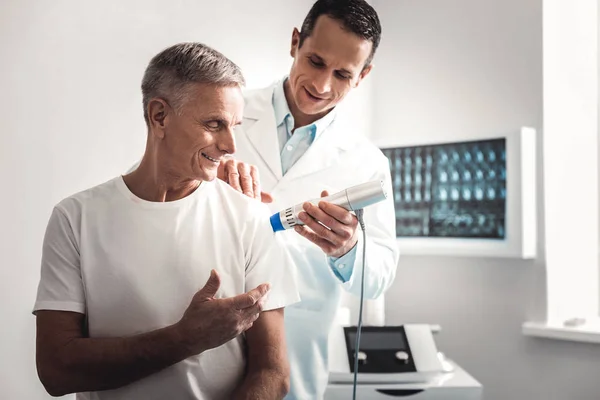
352	199
395	361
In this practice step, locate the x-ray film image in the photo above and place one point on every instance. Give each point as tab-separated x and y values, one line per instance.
455	190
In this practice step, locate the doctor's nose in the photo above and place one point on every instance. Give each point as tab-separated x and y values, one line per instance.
322	83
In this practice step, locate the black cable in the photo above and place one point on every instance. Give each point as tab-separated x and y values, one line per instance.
359	216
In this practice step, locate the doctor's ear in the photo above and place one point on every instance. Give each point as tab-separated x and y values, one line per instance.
158	114
295	42
363	74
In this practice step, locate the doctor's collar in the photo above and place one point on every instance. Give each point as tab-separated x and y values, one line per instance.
282	109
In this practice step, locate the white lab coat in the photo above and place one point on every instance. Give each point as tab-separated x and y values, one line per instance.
338	158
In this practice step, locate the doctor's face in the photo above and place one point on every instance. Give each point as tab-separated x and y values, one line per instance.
194	138
330	62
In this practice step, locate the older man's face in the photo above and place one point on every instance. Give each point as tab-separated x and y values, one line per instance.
202	133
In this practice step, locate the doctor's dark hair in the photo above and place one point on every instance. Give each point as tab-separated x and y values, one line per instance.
171	73
357	16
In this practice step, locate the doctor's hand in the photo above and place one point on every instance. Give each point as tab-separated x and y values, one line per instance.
210	322
242	177
339	233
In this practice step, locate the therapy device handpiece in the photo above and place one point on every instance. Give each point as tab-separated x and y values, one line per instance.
352	199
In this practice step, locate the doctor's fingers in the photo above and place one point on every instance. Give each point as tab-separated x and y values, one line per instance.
228	173
319	229
231	174
254	176
323	243
221	174
340	214
251	298
266	197
316	229
344	231
246	181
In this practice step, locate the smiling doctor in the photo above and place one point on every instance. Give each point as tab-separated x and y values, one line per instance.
294	138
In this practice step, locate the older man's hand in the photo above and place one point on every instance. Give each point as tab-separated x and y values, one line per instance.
210	322
242	177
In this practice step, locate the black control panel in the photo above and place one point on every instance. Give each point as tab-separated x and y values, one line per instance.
382	349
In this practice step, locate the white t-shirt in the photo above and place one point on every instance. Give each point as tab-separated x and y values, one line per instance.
133	266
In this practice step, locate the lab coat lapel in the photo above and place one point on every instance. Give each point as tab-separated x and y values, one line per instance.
261	131
323	153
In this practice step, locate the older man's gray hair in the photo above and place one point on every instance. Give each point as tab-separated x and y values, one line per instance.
171	72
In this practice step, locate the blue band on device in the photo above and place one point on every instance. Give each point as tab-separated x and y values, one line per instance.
276	223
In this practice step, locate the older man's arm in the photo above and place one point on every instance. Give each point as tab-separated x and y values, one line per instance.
268	372
68	361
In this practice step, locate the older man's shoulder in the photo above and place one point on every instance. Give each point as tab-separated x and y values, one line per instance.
236	201
102	193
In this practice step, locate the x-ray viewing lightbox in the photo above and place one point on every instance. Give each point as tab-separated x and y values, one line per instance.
469	196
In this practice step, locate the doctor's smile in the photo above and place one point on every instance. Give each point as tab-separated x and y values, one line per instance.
313	97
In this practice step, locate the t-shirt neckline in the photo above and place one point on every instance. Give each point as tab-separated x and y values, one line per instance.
119	181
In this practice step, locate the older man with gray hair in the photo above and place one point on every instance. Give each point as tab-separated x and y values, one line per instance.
119	313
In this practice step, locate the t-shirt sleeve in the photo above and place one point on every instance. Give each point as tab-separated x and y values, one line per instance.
268	261
60	287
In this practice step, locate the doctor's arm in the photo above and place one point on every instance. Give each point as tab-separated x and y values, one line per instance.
382	252
342	241
381	258
381	246
268	374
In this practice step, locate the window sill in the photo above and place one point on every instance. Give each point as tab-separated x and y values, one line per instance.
586	333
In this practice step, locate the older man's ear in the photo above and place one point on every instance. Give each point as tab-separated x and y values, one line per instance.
158	111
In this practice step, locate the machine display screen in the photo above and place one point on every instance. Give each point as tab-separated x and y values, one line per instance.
378	340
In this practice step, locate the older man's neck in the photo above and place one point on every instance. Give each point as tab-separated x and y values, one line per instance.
152	182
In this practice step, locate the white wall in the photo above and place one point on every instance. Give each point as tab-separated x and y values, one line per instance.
571	105
70	77
475	66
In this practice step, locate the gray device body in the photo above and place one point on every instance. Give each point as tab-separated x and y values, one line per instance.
352	199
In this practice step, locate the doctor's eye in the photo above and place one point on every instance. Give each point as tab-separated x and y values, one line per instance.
342	75
315	62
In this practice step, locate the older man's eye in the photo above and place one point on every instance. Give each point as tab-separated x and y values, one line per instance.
213	124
